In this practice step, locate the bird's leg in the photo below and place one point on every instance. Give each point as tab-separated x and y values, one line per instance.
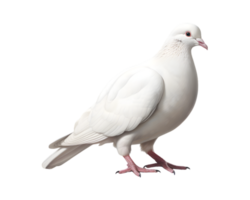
160	162
134	168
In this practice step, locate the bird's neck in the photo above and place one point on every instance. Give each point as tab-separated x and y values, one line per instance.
173	49
174	58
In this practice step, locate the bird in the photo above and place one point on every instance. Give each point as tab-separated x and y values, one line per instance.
140	105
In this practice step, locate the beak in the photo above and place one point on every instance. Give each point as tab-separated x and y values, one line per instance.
203	45
205	50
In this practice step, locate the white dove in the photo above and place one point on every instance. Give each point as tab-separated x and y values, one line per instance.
142	104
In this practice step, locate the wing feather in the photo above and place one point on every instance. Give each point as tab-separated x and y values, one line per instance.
122	106
129	101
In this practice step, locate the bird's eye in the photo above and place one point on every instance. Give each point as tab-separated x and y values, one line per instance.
188	34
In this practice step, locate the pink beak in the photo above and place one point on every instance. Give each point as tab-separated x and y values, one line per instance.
204	49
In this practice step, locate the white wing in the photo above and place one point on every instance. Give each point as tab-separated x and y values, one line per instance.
122	106
129	101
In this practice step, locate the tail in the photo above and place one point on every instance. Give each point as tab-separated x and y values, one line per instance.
62	155
80	138
81	134
58	142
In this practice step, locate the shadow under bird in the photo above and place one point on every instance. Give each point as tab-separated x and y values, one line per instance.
140	105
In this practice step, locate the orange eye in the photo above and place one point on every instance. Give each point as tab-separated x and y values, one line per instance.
188	34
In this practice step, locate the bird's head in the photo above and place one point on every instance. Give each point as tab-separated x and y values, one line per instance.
188	34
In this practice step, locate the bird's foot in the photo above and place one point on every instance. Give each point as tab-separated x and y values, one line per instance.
162	163
138	169
177	167
168	165
132	167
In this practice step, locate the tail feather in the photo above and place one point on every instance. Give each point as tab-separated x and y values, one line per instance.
61	155
81	134
58	142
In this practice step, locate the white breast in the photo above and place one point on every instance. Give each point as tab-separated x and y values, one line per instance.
181	87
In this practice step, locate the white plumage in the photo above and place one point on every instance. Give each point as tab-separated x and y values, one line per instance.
141	104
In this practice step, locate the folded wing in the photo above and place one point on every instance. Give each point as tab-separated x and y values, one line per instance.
122	106
126	103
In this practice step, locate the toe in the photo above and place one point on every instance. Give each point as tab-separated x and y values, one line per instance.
137	174
169	170
125	170
150	171
146	170
176	166
165	166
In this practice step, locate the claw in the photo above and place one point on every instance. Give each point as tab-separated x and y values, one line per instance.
117	172
188	168
173	172
145	167
140	175
158	171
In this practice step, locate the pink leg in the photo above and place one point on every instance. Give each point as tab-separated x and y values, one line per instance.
160	162
132	167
